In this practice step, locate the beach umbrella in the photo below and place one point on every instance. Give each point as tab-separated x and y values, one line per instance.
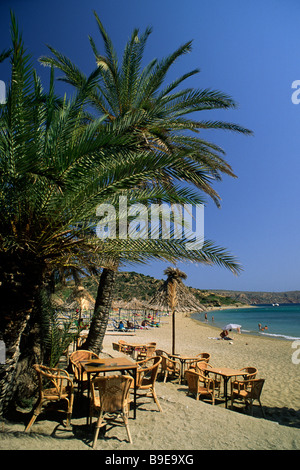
232	326
176	297
81	298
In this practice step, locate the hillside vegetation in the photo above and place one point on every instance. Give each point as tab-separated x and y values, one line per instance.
133	285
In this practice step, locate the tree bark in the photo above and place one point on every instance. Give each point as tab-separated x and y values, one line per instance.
103	301
32	350
19	282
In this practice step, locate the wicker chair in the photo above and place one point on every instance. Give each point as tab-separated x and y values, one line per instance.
110	395
148	350
146	377
168	366
204	356
248	391
124	347
75	358
203	368
62	390
117	347
250	374
199	384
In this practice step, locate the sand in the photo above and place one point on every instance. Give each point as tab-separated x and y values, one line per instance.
187	424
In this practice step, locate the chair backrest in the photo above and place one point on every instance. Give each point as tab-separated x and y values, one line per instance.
57	377
193	378
165	361
150	349
202	365
113	391
80	355
205	356
250	372
160	352
148	372
256	388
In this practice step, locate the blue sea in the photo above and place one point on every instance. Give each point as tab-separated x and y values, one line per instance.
283	321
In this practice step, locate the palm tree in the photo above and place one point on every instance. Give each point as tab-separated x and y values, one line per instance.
132	101
41	145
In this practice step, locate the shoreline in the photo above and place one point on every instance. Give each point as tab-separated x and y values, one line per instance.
256	333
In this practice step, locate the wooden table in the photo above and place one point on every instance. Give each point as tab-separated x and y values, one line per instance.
226	373
183	360
111	364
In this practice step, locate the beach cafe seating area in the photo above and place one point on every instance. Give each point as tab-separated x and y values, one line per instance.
113	386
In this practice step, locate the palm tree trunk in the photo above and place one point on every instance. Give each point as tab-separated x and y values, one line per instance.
101	312
19	282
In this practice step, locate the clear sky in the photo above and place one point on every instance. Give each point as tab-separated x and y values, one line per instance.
249	50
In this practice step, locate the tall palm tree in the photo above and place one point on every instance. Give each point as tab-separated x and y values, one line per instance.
133	100
41	196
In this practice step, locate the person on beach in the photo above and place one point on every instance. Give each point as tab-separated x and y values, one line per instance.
145	324
129	325
224	335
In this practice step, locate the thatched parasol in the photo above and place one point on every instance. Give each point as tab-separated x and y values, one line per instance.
134	304
186	301
175	296
81	298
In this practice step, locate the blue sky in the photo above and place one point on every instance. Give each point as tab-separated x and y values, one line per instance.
249	50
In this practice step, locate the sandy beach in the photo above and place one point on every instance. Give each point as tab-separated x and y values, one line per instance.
187	424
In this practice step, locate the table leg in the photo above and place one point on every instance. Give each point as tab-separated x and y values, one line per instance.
181	371
225	390
88	401
134	393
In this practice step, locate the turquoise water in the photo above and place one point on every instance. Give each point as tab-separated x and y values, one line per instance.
283	322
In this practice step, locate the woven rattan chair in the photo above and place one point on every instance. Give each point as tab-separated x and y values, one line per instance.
148	350
204	356
203	367
199	384
250	374
146	378
62	389
124	347
75	358
110	395
248	391
168	366
117	347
